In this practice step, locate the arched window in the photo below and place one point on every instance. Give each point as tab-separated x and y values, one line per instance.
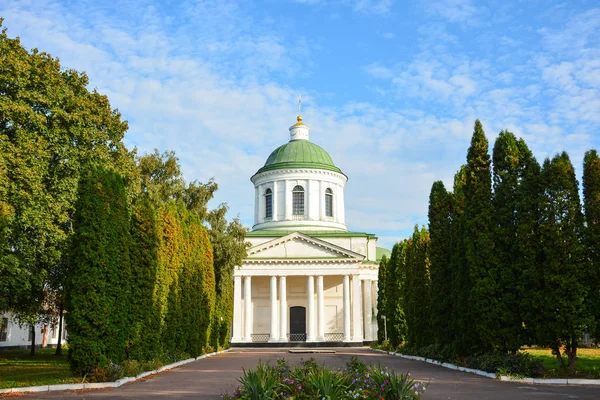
268	203
329	203
298	200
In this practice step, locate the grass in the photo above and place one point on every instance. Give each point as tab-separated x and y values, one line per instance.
587	365
19	369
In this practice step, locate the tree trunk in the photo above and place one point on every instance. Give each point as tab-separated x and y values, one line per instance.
556	352
58	351
572	353
32	327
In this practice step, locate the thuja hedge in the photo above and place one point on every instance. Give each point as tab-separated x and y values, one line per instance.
141	286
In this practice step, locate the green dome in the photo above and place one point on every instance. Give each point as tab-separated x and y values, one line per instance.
299	154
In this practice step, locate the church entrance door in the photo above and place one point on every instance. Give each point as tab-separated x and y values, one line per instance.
297	324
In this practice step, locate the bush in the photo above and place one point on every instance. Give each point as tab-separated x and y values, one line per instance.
521	364
310	380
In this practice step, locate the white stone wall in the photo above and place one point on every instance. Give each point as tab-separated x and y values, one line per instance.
297	296
315	182
19	336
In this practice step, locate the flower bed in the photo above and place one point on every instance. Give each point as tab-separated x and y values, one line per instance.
310	380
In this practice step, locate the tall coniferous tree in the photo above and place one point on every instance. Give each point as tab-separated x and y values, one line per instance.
382	299
479	244
98	286
395	281
440	209
461	281
529	260
417	290
507	333
591	196
565	315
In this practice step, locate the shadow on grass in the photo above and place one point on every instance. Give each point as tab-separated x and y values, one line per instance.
19	369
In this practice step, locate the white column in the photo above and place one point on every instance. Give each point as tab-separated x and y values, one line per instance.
346	308
237	309
321	310
367	309
310	312
321	201
261	203
357	321
273	336
283	309
275	199
248	308
288	200
255	205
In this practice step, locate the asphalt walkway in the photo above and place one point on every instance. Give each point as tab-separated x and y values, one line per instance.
211	377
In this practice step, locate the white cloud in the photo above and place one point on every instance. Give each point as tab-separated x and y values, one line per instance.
456	10
211	83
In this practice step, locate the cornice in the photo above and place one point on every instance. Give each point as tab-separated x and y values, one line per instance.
284	171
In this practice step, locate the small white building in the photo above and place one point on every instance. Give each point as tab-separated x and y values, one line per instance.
306	278
13	335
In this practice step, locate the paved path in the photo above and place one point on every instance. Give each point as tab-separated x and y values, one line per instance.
209	378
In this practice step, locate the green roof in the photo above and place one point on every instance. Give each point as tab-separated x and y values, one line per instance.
380	252
299	154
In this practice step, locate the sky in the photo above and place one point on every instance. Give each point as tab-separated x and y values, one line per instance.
391	89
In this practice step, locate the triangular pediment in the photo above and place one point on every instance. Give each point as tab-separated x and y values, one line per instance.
300	246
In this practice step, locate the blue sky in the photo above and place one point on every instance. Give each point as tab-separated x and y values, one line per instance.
390	89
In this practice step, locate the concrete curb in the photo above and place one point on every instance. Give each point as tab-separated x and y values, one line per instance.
503	378
105	385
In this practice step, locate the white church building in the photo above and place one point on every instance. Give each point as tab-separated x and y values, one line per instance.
306	280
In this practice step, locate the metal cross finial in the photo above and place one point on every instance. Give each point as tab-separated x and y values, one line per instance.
299	103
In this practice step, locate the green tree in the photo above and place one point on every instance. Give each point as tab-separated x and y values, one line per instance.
440	255
461	282
51	126
479	246
507	332
144	332
98	287
394	288
417	290
565	314
382	299
591	201
229	249
529	251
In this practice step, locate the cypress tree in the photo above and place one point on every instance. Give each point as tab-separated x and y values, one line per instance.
479	245
565	315
440	208
417	290
591	196
529	260
395	280
381	299
507	331
98	291
145	326
461	282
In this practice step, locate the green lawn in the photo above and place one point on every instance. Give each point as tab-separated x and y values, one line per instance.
588	362
19	369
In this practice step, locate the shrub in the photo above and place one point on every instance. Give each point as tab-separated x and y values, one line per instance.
309	380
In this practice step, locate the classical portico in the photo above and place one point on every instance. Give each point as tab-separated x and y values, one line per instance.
306	279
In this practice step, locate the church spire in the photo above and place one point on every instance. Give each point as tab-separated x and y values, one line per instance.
299	131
